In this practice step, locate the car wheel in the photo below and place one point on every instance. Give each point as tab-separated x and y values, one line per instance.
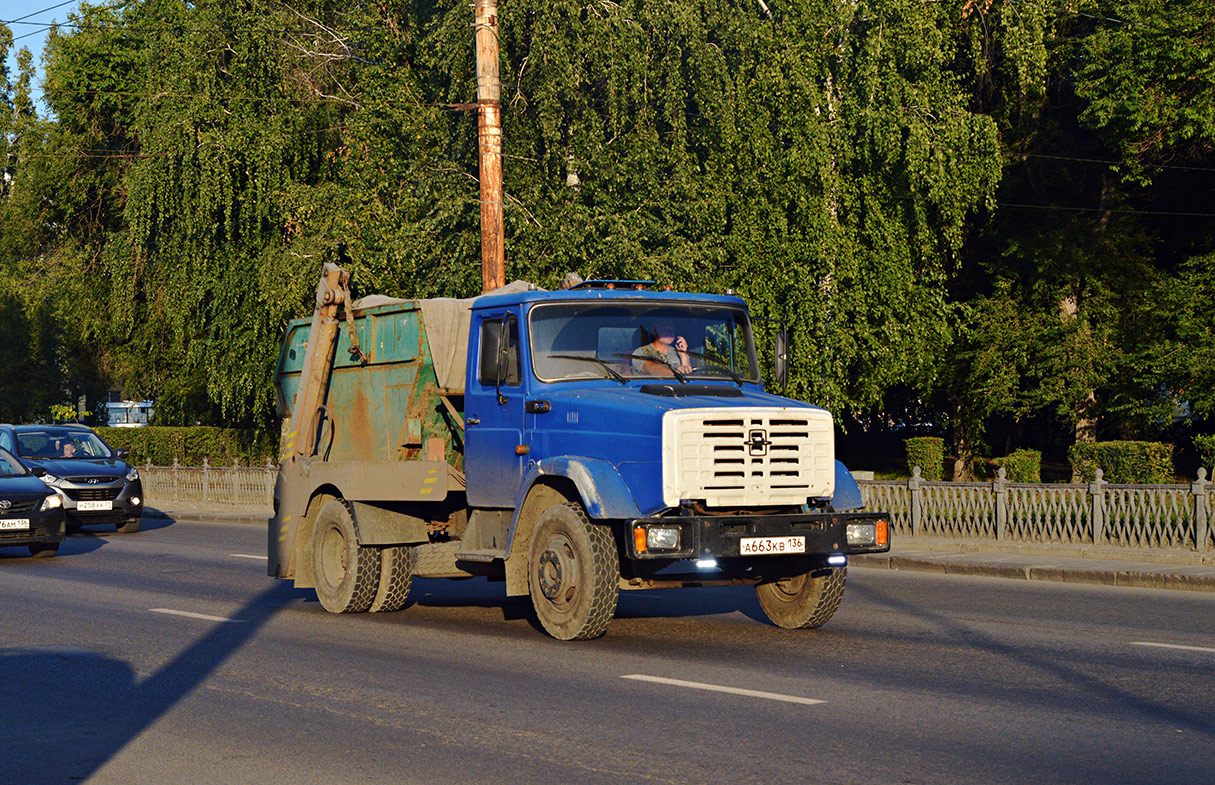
347	575
803	601
43	550
129	526
573	574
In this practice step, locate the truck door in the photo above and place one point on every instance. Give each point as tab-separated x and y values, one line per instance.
493	406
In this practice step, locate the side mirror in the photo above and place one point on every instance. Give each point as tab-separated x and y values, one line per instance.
38	471
782	357
122	452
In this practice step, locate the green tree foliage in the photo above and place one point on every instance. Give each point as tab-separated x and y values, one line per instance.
919	188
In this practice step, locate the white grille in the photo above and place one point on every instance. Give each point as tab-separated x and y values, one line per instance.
747	457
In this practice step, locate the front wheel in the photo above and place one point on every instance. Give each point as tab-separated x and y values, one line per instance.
129	526
43	550
573	574
347	574
803	601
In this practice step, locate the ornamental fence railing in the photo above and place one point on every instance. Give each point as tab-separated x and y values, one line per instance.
238	486
1098	513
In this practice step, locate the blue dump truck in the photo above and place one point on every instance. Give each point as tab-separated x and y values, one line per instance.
571	444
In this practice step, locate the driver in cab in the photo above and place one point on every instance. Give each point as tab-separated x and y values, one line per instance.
666	352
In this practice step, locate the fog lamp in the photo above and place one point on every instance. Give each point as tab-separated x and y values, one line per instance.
837	560
662	538
861	534
136	501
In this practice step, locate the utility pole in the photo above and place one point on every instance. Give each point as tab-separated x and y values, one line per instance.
489	135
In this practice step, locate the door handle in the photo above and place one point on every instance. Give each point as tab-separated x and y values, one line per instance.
473	421
538	407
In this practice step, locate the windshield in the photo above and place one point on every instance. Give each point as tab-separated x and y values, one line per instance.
621	340
57	445
10	466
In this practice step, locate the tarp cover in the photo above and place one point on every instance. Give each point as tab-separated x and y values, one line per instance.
446	320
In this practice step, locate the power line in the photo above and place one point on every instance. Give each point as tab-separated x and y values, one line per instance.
1062	208
1112	163
36	13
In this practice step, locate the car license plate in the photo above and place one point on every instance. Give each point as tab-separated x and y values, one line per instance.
755	546
15	523
87	506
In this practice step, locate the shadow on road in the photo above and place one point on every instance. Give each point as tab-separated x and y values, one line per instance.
67	712
1082	688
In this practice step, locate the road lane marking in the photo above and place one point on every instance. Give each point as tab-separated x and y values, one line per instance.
696	685
190	615
1173	646
248	556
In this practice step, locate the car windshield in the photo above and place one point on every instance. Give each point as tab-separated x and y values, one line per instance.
621	340
59	444
10	466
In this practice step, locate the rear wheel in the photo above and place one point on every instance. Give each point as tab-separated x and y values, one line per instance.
396	576
803	601
573	574
347	575
43	550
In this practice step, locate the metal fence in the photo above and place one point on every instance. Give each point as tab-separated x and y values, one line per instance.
1097	513
238	486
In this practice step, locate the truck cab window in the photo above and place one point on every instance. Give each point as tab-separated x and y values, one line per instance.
491	350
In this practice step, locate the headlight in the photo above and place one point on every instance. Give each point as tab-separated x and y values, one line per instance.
132	475
874	533
861	533
656	538
52	502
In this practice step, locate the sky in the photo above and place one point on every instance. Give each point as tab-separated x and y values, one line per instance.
31	32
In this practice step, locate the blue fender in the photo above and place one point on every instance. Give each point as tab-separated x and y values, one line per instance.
604	492
847	492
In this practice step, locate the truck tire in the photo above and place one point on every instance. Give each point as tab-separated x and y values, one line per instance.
396	576
802	601
573	574
347	575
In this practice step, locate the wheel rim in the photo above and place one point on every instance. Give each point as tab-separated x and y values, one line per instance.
557	572
333	558
789	589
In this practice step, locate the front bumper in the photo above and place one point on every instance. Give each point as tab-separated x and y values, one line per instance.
124	498
44	526
718	537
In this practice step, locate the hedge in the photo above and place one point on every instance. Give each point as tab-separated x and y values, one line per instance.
927	452
191	445
1022	466
1125	462
1206	452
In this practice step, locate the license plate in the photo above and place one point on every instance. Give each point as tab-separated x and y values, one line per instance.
86	506
756	546
15	523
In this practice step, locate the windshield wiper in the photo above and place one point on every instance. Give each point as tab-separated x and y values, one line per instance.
681	377
604	363
714	366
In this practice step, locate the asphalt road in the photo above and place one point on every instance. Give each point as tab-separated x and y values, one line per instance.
919	678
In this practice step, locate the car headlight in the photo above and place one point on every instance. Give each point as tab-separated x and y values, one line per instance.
52	502
132	475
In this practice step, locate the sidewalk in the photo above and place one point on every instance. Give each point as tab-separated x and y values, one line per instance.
1166	569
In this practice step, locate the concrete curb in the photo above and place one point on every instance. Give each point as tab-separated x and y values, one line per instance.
1103	574
242	517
